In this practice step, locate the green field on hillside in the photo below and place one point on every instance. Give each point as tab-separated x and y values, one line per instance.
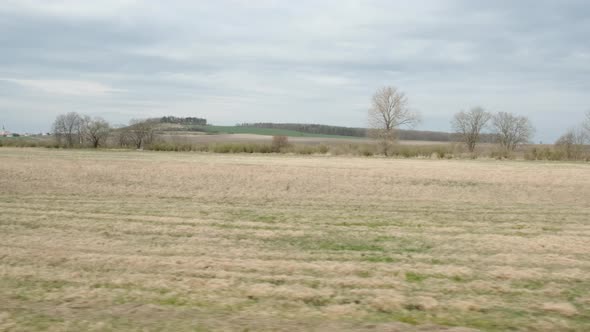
261	131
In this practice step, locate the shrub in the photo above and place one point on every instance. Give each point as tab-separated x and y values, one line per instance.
279	142
301	149
366	151
323	149
26	142
421	151
240	148
306	149
501	154
555	153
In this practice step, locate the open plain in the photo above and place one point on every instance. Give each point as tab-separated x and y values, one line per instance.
143	241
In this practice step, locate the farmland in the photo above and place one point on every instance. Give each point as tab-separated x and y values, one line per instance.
188	137
261	131
130	240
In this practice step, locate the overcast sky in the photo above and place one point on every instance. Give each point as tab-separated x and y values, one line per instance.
305	61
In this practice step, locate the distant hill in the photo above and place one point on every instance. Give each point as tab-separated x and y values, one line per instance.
310	128
407	135
170	123
211	129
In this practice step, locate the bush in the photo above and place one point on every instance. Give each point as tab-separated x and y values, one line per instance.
323	149
305	149
279	142
422	151
240	148
555	153
501	154
27	142
353	149
280	145
366	152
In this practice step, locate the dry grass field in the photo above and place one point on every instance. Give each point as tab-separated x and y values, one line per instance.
149	241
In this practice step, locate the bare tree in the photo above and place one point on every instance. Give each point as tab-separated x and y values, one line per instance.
470	124
140	132
572	143
67	128
58	129
121	137
96	131
389	111
512	130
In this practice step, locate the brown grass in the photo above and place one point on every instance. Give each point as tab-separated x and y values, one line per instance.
119	240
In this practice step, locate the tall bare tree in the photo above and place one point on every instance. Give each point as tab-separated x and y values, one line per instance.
96	131
470	124
512	130
388	112
140	132
67	128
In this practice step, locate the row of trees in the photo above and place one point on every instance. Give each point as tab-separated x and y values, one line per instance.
510	130
73	129
389	111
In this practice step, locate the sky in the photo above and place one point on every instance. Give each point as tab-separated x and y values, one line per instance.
308	61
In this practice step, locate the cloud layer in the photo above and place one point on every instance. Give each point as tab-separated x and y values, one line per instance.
307	61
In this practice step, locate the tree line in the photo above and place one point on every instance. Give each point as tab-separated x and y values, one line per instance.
192	121
76	130
389	111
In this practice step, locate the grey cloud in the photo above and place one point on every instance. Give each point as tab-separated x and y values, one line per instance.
310	61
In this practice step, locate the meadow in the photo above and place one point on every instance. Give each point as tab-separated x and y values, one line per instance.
113	240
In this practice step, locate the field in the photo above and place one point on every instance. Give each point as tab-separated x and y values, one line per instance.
193	138
263	131
198	138
149	241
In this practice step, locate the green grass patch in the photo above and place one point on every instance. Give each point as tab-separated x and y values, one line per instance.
328	243
172	301
528	284
261	131
405	245
378	259
415	277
